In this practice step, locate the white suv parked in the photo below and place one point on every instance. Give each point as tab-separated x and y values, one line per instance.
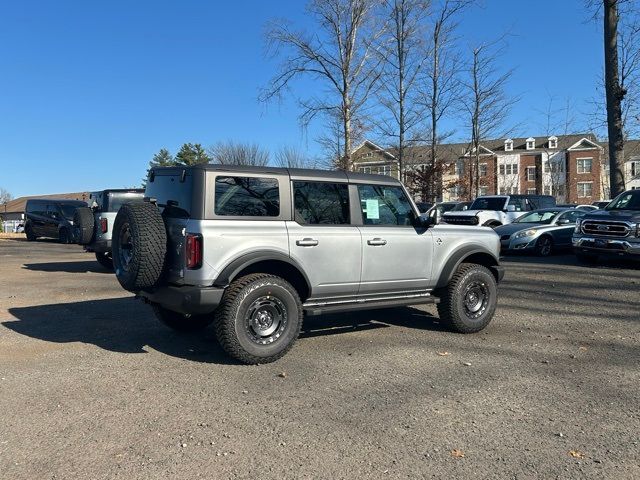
495	210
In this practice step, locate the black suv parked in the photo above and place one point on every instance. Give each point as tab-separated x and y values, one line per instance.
50	218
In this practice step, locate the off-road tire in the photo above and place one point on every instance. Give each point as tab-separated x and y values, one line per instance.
105	260
140	264
64	235
452	307
84	225
28	231
232	318
180	322
587	258
544	246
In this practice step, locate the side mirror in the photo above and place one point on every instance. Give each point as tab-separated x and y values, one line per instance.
425	221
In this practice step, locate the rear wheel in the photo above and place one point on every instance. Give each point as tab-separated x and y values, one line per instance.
468	303
259	318
544	246
139	246
182	322
64	235
104	259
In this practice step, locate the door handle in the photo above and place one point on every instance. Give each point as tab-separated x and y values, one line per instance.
307	242
376	242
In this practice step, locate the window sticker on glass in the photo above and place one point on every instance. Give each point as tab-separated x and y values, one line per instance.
373	209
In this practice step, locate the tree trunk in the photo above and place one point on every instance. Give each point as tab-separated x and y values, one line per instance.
615	94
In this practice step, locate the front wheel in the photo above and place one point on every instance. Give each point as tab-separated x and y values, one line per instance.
182	322
259	318
28	231
544	246
468	303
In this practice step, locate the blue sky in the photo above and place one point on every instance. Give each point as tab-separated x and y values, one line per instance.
89	91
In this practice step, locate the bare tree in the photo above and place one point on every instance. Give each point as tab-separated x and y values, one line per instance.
558	119
238	153
485	103
403	56
442	86
291	157
5	195
339	53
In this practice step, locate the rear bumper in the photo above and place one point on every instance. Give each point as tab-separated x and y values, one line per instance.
103	246
605	246
187	300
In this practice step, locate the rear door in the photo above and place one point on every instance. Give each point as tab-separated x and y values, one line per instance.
396	256
322	238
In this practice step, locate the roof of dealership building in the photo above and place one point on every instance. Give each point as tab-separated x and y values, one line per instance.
18	205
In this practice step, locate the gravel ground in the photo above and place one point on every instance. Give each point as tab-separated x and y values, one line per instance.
92	386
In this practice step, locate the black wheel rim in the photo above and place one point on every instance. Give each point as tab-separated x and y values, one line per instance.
545	247
125	250
476	299
266	319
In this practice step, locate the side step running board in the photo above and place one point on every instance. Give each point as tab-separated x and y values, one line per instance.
317	307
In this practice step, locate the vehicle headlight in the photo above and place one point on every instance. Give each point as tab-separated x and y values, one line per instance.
526	233
578	225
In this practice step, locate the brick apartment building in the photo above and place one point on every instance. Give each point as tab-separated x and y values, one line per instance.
573	168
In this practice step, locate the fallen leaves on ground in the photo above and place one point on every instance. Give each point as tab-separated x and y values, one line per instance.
576	454
457	453
582	348
443	354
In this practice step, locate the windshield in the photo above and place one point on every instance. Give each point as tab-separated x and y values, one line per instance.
117	199
488	203
460	207
446	207
542	217
626	201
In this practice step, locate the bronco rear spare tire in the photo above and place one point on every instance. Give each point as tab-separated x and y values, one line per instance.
83	224
139	246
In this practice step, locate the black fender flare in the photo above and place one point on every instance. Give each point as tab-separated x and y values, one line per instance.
458	257
229	273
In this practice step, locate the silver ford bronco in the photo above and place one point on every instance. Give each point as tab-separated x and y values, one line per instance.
251	249
93	225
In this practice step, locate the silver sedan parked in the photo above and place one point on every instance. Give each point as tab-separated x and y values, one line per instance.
540	231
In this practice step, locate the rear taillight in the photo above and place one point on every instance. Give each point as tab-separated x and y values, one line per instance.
104	226
193	251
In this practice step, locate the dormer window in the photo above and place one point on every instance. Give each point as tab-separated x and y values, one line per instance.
553	142
508	145
531	143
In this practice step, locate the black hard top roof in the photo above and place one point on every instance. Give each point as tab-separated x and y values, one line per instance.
294	173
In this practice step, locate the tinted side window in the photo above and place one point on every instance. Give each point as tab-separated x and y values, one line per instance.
385	205
247	197
321	203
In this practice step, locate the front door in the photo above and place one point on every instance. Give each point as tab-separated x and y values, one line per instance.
395	255
323	240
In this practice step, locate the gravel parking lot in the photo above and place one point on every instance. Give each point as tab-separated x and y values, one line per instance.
92	386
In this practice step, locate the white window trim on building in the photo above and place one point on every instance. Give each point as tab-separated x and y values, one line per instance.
553	142
508	145
529	174
582	169
483	169
531	191
531	143
634	168
582	194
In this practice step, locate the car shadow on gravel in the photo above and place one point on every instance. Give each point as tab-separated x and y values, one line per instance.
69	267
571	260
122	325
337	323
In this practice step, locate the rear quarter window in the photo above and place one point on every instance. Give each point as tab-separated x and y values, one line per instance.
247	196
